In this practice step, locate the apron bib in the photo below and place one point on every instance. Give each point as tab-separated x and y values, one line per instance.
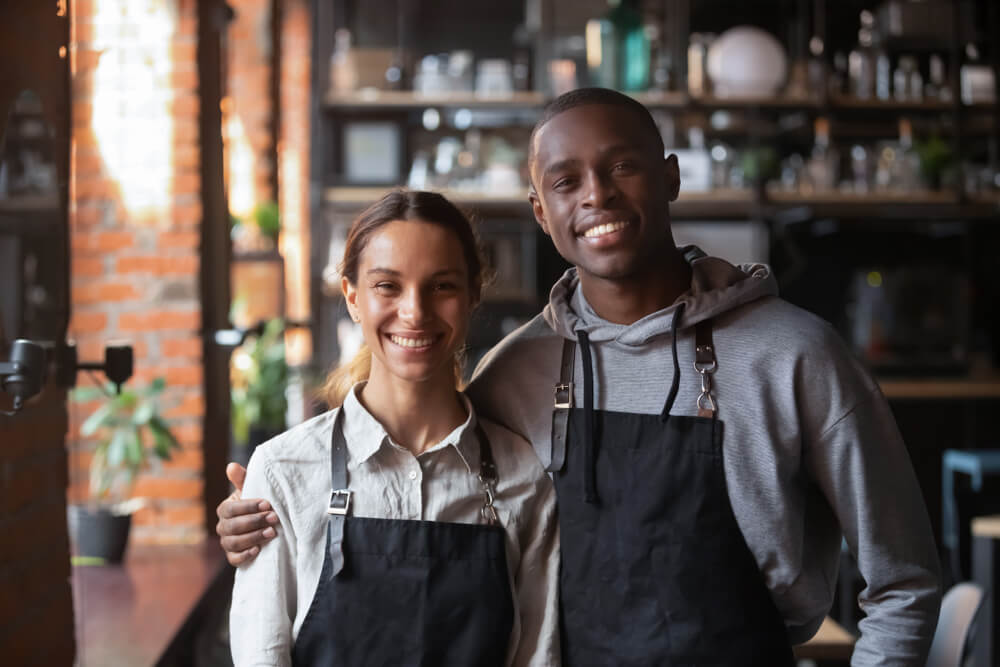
655	570
409	593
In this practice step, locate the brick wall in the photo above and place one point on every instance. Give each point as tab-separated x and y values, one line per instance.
248	108
293	167
135	215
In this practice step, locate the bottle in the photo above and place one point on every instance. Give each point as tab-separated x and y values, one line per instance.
696	74
823	164
816	69
521	70
618	48
907	161
343	73
883	68
937	87
861	60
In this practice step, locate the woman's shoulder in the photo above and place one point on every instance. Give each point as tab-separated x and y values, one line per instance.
306	440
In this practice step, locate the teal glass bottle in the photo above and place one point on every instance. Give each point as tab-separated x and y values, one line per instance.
618	49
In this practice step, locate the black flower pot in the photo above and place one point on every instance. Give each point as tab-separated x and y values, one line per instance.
97	533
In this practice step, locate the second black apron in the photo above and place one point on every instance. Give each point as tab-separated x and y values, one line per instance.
655	570
408	593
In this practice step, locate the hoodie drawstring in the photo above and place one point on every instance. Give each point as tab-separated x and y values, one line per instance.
676	382
589	455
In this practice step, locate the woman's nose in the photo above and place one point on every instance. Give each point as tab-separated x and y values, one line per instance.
412	308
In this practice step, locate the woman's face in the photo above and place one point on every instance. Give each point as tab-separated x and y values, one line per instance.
412	300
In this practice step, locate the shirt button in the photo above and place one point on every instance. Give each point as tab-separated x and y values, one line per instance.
413	474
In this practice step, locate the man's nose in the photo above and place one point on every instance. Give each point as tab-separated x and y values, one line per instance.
599	190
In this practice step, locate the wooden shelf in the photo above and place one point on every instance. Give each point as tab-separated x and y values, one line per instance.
356	197
739	203
404	99
849	102
29	203
957	388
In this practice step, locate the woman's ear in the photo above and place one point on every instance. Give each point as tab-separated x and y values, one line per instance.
350	297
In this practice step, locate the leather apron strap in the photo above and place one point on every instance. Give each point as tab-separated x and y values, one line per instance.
562	407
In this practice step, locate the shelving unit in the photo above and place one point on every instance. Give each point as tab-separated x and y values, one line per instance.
902	211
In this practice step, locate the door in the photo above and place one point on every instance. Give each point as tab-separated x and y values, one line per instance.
36	610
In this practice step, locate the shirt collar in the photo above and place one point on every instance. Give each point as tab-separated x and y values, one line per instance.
365	435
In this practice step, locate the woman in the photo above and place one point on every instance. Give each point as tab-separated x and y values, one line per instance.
411	532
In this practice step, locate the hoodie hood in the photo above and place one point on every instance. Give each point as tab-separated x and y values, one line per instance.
716	287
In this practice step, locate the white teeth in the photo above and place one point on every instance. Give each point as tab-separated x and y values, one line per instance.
601	230
410	342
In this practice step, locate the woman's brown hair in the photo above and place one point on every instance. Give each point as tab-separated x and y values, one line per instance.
416	205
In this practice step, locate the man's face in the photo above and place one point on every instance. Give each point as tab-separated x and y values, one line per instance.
602	191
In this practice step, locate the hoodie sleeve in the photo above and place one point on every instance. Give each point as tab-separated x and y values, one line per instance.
864	470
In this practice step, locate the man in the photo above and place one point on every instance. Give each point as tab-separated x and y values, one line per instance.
710	443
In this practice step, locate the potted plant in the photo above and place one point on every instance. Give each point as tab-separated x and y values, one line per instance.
259	379
131	436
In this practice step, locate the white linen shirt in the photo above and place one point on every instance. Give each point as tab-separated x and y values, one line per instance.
272	594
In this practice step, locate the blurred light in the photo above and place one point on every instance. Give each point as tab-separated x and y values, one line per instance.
242	360
463	119
132	118
874	279
431	119
720	120
593	37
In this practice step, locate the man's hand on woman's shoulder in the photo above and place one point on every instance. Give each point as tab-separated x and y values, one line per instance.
244	525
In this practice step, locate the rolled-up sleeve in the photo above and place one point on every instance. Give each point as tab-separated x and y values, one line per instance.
264	593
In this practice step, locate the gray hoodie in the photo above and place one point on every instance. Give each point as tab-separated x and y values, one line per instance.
811	450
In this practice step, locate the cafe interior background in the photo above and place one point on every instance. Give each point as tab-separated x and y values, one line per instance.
177	178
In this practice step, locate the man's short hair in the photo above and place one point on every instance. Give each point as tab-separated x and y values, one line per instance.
585	96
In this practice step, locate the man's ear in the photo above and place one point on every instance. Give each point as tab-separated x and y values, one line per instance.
536	208
673	177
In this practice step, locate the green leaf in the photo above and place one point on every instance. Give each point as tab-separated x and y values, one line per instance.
133	450
101	417
159	427
144	412
116	447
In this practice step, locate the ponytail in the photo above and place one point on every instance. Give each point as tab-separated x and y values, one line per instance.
339	382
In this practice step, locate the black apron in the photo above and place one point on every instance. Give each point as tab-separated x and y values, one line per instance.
655	570
401	592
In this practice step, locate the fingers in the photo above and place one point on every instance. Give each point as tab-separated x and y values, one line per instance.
242	557
234	507
237	474
236	545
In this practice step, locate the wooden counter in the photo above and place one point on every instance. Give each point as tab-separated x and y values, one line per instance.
130	615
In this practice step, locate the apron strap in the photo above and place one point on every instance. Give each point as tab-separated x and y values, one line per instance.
705	364
487	476
563	404
340	496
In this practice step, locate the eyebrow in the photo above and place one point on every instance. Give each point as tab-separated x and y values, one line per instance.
394	273
572	162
